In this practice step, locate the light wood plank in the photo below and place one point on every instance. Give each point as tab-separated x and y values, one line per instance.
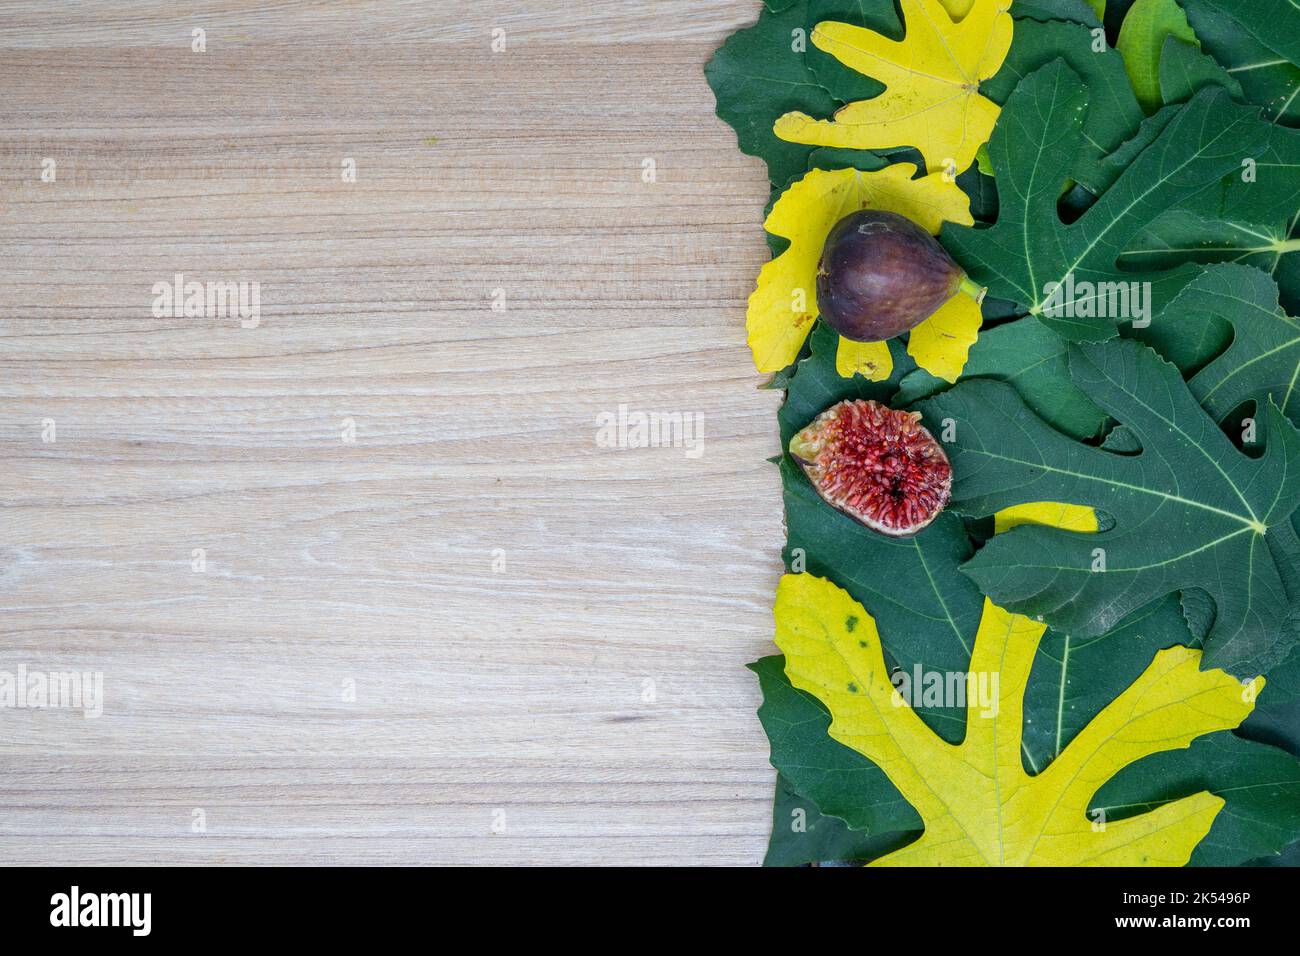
518	690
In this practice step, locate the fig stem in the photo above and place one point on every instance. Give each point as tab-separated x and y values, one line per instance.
973	289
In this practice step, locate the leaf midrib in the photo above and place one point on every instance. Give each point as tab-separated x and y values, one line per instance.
1249	522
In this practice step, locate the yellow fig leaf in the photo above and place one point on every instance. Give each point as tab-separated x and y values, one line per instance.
942	342
940	345
869	359
931	76
978	804
784	303
1051	514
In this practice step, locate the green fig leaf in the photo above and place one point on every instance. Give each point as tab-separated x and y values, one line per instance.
1188	511
1031	257
1147	25
1032	359
760	74
1258	41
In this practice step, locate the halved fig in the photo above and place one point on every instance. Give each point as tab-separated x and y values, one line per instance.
881	275
878	466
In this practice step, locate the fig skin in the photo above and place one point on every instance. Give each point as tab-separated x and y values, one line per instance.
879	466
881	275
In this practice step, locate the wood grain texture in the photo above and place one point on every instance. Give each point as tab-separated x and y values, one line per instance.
477	690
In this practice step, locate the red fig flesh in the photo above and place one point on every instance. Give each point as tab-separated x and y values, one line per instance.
878	466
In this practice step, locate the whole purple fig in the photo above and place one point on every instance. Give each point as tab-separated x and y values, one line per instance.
881	275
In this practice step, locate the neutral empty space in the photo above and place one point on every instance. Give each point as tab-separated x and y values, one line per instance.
361	583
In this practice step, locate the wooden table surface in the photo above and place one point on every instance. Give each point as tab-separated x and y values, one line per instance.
472	634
